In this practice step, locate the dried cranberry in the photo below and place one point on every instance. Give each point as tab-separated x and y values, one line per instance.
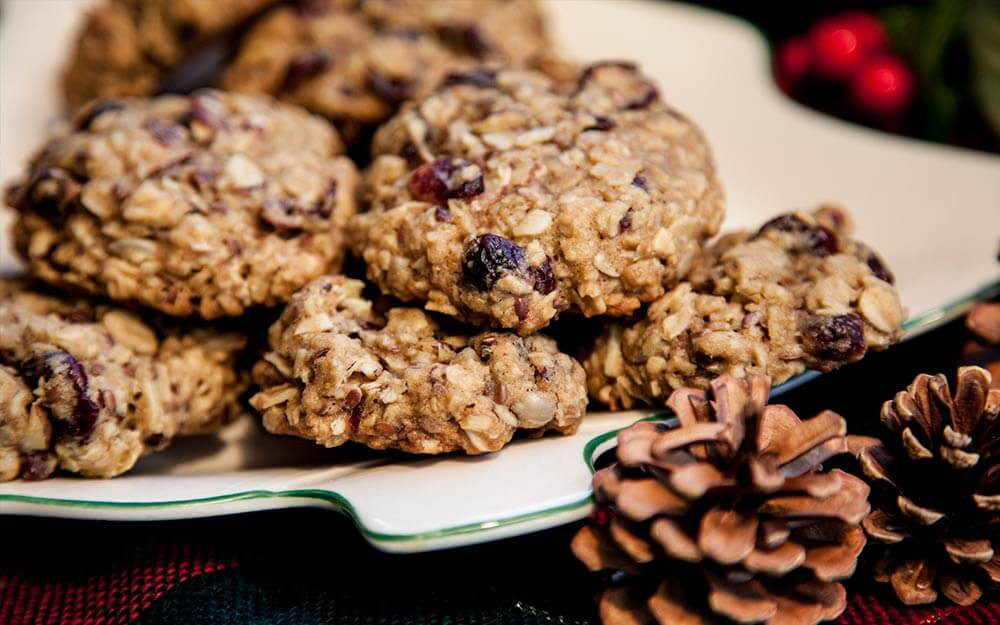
156	441
601	123
542	277
325	205
838	338
625	222
465	38
165	132
390	88
489	257
879	269
206	110
521	308
37	465
442	213
283	215
353	398
445	178
97	109
639	181
52	193
204	179
304	67
309	8
482	77
817	239
589	71
357	412
410	153
648	97
639	95
64	388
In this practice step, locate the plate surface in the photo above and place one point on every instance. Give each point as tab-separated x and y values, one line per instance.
933	211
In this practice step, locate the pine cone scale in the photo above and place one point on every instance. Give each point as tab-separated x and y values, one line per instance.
984	320
832	562
849	504
913	582
727	536
744	603
777	561
674	540
960	590
970	398
640	500
787	438
968	551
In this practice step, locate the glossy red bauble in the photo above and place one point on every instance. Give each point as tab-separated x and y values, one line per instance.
793	60
883	86
841	43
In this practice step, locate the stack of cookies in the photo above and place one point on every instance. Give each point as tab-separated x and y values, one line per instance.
503	194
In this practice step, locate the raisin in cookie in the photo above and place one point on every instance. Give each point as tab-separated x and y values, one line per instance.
505	199
337	371
91	388
128	47
355	62
202	205
798	293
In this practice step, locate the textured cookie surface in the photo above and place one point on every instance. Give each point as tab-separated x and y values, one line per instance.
505	199
355	62
90	389
798	293
337	371
202	205
127	47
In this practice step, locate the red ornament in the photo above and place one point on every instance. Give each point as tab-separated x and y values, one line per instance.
868	29
883	86
842	42
793	60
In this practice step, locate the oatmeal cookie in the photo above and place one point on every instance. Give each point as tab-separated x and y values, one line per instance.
128	47
91	388
355	62
798	293
201	205
337	371
505	199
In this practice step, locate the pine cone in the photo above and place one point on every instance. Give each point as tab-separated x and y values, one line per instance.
728	517
984	322
937	489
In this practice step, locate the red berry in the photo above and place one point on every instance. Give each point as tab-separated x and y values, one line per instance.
883	86
841	43
868	29
793	60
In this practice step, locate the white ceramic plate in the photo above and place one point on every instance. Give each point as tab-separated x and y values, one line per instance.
933	211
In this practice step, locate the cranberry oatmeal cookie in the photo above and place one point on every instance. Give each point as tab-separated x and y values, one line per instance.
91	388
338	371
128	47
355	62
798	293
505	199
202	205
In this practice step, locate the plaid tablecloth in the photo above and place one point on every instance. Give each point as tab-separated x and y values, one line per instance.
304	567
